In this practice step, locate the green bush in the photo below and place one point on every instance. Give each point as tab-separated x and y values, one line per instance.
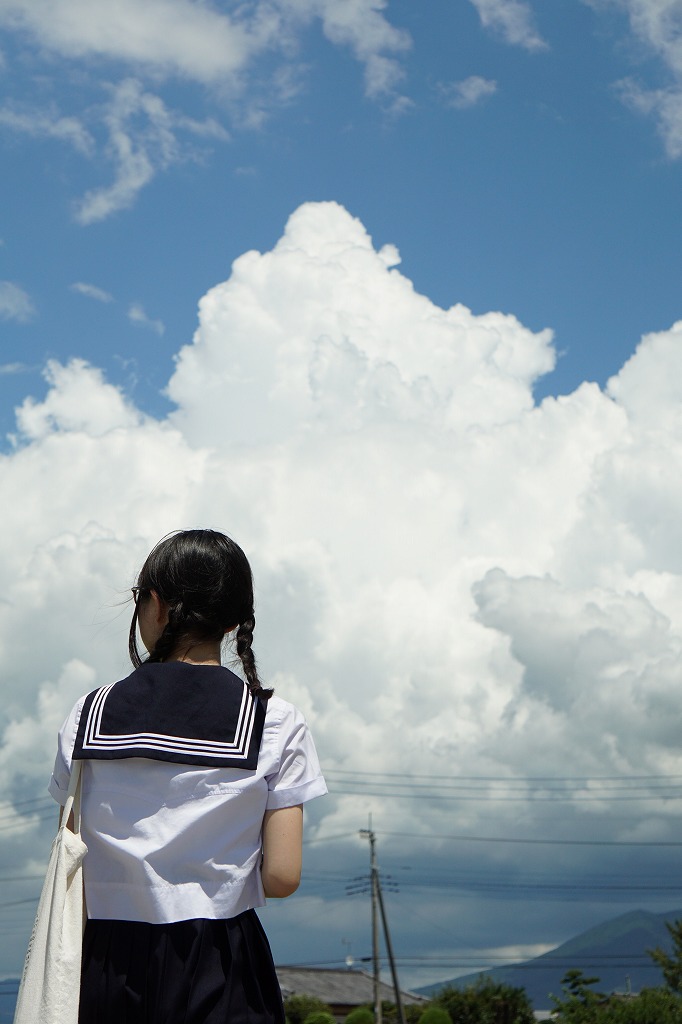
360	1015
298	1008
435	1015
414	1012
320	1017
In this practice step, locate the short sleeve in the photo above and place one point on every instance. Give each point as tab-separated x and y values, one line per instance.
61	773
298	777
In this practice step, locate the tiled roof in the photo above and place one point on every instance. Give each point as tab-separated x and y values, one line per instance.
336	986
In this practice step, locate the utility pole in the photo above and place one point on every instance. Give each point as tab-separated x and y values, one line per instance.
378	903
391	958
374	880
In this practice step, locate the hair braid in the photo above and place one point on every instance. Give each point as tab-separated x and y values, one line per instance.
171	635
246	656
204	580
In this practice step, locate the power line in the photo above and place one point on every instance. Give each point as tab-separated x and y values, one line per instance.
390	793
506	778
538	842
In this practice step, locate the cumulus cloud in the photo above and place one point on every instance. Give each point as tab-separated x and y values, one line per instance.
468	92
137	315
452	581
513	20
15	303
78	400
91	291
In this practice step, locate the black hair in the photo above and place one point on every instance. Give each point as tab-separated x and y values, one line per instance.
205	580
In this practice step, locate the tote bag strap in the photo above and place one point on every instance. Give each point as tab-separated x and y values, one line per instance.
73	798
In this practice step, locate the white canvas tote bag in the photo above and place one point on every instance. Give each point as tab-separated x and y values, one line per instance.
50	985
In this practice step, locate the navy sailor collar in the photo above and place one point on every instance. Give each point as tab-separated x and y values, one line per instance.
173	711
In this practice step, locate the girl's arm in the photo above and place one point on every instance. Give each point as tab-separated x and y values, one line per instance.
282	850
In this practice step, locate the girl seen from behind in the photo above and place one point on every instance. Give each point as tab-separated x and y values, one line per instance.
193	783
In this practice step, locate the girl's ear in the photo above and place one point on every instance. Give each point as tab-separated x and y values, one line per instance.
159	607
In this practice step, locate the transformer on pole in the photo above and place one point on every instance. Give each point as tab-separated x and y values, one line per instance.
378	908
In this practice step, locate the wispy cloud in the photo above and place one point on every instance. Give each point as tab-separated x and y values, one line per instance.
47	124
137	315
10	369
92	291
513	20
136	131
15	303
143	138
657	26
664	104
180	38
468	92
373	40
172	37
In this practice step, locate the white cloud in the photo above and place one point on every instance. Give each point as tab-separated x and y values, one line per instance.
171	36
137	315
655	24
92	291
513	20
78	400
143	137
198	42
142	140
468	92
282	374
362	27
47	124
15	303
664	104
189	41
450	579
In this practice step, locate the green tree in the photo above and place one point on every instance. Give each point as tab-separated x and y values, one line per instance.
651	1006
486	1002
580	1003
298	1008
671	963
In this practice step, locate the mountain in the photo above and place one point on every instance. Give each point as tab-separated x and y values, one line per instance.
8	998
615	952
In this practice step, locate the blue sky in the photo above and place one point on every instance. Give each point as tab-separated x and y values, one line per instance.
467	556
549	198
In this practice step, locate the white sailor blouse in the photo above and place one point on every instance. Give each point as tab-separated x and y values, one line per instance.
180	765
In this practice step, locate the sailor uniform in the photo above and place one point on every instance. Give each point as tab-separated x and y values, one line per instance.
180	765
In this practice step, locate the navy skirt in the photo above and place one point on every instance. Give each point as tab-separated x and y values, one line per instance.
189	972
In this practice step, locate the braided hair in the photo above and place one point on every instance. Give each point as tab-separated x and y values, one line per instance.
205	580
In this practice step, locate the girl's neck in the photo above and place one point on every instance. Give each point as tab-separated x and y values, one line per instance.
206	653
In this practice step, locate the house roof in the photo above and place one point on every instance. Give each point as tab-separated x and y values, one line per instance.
337	986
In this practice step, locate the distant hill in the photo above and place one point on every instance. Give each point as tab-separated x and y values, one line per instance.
612	951
8	998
